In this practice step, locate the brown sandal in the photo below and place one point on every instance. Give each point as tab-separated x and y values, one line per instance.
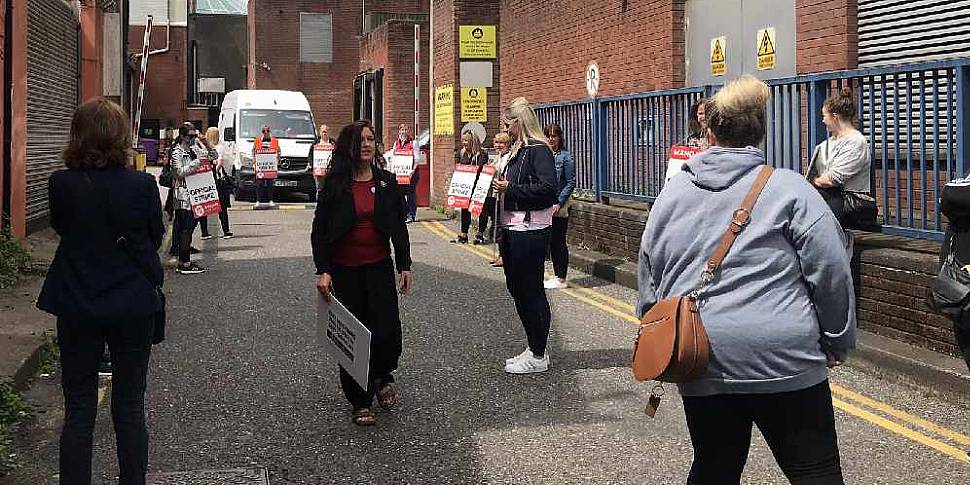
363	417
386	396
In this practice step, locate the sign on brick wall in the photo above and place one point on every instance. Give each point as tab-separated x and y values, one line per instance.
476	42
473	105
444	110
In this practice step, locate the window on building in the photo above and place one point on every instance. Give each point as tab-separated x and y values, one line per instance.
316	38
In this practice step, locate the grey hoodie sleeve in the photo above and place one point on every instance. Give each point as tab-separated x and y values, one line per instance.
850	157
820	245
648	293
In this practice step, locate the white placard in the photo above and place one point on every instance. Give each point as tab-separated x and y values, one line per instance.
462	185
267	165
481	190
344	338
203	194
322	153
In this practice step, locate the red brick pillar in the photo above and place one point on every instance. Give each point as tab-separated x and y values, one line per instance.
18	119
92	43
827	34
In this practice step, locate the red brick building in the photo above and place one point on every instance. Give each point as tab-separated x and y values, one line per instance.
316	47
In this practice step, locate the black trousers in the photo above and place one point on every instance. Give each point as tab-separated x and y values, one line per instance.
81	344
370	294
524	255
488	214
558	251
799	427
184	227
223	219
264	190
466	221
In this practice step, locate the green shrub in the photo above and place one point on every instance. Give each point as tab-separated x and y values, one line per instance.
14	259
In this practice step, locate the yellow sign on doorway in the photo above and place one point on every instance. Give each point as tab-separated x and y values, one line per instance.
444	110
476	42
766	49
719	56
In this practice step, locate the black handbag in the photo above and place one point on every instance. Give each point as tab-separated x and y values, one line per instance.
859	211
166	179
949	294
226	182
158	335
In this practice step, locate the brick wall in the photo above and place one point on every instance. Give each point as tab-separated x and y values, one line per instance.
827	35
166	83
891	284
391	47
3	111
92	47
328	86
546	46
448	15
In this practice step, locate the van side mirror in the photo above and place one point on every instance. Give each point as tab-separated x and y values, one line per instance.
229	134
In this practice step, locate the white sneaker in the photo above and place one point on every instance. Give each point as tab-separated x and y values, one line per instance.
528	365
525	353
554	284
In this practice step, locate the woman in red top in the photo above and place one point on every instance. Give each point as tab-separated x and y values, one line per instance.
359	216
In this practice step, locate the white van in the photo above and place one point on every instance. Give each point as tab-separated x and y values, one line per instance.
244	113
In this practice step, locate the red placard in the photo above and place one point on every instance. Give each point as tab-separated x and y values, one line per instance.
678	155
266	163
322	153
481	190
462	186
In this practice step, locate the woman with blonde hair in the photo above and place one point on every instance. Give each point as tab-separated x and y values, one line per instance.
778	311
471	153
224	183
527	191
501	143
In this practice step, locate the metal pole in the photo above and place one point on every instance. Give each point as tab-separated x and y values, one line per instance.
136	123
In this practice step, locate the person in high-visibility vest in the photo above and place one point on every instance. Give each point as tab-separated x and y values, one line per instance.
266	180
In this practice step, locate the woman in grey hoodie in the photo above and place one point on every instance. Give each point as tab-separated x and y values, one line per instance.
780	310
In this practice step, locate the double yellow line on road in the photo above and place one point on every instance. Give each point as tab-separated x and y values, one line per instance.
876	412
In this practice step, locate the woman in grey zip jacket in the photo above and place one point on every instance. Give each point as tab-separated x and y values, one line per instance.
780	310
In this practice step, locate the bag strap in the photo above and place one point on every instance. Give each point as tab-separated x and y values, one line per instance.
120	240
739	220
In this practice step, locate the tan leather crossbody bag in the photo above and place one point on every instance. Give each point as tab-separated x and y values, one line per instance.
672	345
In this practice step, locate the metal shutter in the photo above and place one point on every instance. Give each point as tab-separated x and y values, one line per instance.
900	31
52	93
316	38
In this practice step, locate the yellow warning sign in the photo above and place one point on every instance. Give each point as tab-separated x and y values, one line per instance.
473	105
766	49
476	41
719	56
444	110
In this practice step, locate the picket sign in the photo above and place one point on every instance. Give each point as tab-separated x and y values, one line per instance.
344	338
266	163
481	190
679	154
462	186
203	194
322	153
402	164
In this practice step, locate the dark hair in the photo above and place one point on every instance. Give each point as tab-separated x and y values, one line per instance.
346	155
736	114
694	128
184	130
100	136
555	129
843	105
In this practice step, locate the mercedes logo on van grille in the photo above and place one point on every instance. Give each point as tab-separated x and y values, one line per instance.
284	164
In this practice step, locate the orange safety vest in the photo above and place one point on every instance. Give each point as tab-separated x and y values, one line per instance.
274	145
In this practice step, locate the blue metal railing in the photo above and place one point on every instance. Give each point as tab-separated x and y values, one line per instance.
915	117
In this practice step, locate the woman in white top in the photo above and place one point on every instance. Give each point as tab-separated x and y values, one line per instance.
840	167
501	144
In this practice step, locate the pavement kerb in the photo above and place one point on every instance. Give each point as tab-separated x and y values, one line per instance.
941	373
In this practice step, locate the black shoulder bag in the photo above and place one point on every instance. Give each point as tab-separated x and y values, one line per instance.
949	294
122	242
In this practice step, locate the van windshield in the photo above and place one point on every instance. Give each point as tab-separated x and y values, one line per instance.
285	124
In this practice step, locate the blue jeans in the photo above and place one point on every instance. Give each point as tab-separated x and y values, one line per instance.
82	344
412	199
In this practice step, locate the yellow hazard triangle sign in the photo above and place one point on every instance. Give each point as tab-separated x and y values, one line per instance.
718	54
766	49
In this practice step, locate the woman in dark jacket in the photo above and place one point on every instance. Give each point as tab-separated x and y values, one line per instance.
360	214
101	286
528	193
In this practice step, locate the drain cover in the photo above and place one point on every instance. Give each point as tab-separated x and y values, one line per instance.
237	476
